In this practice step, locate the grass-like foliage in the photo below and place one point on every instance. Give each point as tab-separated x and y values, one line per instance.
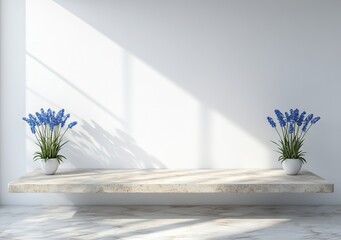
49	129
293	127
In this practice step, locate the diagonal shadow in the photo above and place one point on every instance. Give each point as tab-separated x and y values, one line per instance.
74	87
99	148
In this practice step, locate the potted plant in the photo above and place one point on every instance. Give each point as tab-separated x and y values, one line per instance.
293	127
49	129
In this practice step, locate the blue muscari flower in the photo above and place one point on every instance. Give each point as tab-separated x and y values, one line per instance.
33	130
287	116
309	117
55	118
51	125
64	120
32	117
50	119
280	118
52	122
72	124
291	128
48	115
61	112
271	121
306	122
315	120
60	116
32	122
43	115
296	114
38	115
293	116
26	119
301	118
41	118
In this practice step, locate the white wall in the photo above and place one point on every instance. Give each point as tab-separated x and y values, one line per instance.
12	92
175	84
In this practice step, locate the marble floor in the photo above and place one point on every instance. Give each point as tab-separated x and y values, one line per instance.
170	222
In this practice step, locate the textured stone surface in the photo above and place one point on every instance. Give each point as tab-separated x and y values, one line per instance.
170	222
170	181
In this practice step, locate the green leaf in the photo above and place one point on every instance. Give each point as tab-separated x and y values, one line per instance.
50	143
290	146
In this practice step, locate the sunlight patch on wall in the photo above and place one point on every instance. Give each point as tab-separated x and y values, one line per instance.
233	146
165	118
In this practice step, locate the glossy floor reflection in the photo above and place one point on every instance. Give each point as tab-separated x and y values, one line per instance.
170	222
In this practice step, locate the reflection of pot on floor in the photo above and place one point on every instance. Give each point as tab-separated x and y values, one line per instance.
292	166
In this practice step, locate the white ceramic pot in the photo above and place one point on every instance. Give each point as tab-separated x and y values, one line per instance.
50	166
292	166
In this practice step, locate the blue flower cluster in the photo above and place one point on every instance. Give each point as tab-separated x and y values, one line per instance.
289	119
294	126
48	118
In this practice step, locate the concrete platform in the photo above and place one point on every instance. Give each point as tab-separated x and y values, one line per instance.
170	181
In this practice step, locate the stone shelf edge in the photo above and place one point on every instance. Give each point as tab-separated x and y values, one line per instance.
170	181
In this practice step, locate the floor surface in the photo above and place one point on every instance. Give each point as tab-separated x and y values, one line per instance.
170	222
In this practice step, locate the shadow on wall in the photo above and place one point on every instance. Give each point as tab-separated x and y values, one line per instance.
92	144
97	148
